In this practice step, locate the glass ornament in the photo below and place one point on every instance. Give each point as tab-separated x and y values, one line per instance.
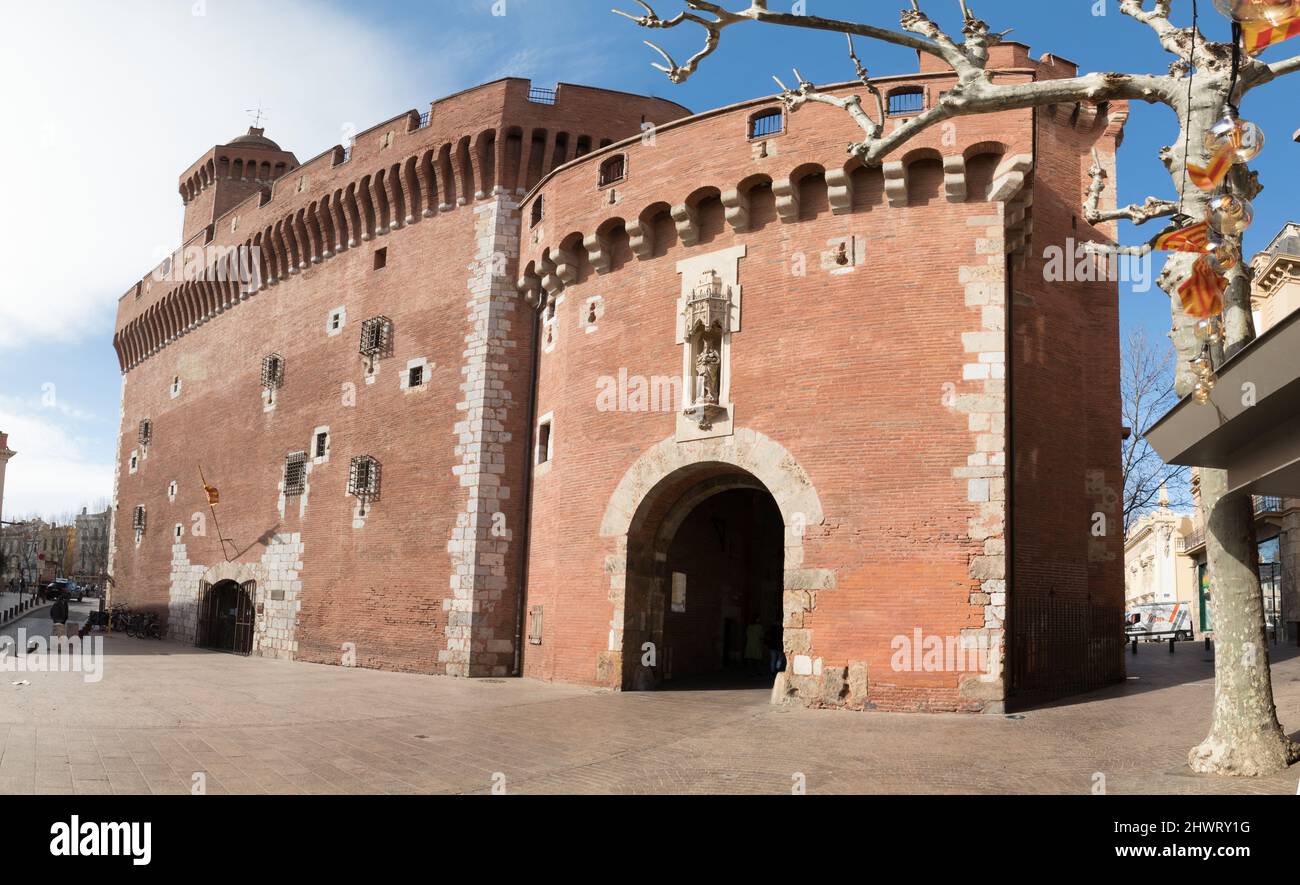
1271	11
1223	252
1241	137
1202	393
1230	215
1209	330
1203	366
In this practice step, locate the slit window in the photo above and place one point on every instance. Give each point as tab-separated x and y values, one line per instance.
613	170
295	474
910	101
539	210
765	123
138	520
146	432
322	444
544	443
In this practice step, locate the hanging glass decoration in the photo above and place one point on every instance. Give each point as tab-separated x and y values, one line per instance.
1271	11
1230	214
1209	331
1241	138
1203	369
1223	252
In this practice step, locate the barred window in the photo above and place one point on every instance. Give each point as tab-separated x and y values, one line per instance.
146	432
322	443
138	519
535	625
363	478
909	100
612	170
272	371
376	336
415	376
295	474
767	122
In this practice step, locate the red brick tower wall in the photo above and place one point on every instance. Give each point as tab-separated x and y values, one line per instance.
417	581
869	399
1067	565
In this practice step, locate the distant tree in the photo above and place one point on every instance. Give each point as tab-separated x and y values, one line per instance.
1147	391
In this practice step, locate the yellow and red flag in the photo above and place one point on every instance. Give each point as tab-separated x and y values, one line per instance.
1202	292
1193	238
1260	35
1209	177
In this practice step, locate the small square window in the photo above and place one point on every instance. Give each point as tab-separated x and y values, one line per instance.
416	376
381	258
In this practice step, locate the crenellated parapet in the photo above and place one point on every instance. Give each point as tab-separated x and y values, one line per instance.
501	138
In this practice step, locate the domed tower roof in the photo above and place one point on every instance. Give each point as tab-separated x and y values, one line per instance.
254	138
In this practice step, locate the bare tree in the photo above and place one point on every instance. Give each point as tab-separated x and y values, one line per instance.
1206	80
1147	393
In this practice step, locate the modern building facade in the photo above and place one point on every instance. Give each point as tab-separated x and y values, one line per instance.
578	386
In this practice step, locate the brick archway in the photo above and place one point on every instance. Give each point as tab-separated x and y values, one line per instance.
653	497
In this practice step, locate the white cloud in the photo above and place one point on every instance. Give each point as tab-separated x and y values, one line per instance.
107	103
53	472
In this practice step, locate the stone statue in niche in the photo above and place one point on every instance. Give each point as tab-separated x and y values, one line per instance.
707	315
708	369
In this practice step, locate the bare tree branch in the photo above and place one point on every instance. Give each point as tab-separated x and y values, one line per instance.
1138	214
974	93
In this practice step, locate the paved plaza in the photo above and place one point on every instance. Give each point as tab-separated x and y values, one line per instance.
163	712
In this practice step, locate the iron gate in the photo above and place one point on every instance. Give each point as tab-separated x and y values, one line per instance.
1065	646
227	616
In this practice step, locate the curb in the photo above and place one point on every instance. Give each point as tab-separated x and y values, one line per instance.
13	615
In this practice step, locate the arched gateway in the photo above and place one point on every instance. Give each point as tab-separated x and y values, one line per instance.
226	609
709	539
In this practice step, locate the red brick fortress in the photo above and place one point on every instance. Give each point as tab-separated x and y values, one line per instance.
599	392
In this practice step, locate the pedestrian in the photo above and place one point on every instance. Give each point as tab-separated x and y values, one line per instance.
59	615
775	649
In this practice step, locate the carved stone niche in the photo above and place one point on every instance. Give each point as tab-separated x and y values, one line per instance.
708	318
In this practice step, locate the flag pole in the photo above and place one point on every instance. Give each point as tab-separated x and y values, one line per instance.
212	508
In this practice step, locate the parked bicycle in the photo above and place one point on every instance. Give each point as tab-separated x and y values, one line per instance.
141	625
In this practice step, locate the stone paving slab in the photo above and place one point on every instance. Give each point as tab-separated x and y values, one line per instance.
164	712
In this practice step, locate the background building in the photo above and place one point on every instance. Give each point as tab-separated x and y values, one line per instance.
1275	298
90	562
1154	570
572	384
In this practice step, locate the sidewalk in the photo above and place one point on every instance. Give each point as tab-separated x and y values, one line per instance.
11	600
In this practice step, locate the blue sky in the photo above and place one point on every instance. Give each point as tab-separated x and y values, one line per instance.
117	99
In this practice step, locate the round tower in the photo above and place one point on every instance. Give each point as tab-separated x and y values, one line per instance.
226	175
